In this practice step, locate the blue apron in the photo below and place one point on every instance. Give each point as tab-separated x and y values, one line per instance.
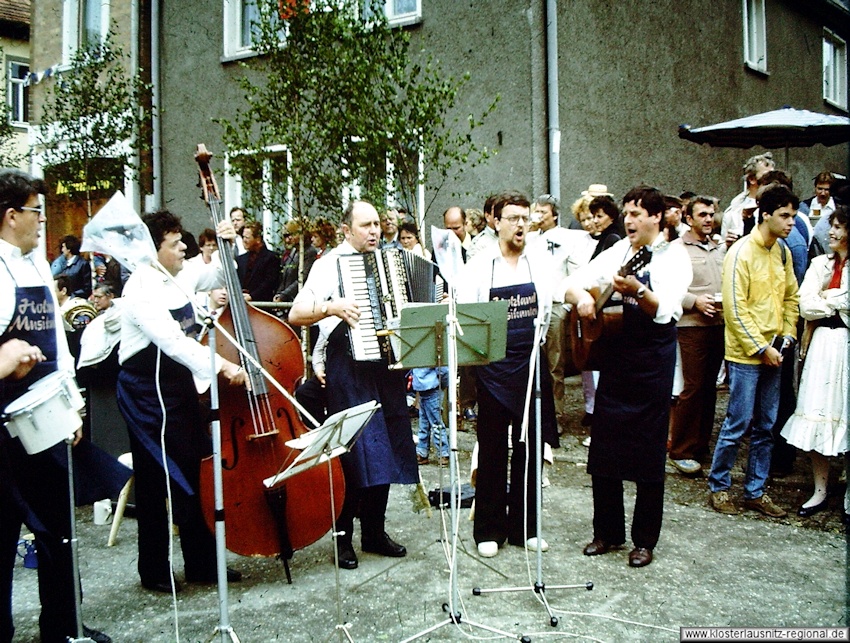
186	440
631	416
98	475
507	379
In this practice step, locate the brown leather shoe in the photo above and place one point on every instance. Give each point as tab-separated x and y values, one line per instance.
720	502
640	557
598	547
765	505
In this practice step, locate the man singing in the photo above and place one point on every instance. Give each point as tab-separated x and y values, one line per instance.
636	376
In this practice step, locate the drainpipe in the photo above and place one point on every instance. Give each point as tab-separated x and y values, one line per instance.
552	98
156	122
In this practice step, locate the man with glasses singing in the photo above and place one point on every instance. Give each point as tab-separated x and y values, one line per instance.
522	278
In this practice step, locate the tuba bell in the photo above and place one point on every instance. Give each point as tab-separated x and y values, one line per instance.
79	314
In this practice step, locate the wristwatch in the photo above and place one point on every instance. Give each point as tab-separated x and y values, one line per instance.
324	309
640	292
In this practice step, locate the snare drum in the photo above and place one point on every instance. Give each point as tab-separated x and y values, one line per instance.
47	414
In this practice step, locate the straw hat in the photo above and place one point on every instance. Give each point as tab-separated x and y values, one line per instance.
596	189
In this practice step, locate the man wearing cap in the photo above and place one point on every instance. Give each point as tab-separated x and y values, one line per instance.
744	205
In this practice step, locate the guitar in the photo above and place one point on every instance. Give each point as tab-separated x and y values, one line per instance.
609	320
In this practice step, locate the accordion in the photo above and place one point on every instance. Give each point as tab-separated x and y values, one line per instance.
381	282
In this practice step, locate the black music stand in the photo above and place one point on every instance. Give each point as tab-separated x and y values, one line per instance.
321	446
428	336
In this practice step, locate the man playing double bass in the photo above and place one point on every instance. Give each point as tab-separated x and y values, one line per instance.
384	452
636	375
159	356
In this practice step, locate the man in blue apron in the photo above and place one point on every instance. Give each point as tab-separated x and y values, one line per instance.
33	488
508	272
160	356
384	453
632	410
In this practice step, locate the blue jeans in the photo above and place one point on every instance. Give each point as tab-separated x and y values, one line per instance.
431	421
753	399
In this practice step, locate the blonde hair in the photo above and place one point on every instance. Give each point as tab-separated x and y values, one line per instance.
581	205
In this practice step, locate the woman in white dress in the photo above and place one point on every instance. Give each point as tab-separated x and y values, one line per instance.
819	425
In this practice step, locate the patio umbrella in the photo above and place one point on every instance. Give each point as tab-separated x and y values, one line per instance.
786	127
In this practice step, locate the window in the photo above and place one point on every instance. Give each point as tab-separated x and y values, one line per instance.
755	35
398	12
262	186
83	22
834	70
240	17
18	92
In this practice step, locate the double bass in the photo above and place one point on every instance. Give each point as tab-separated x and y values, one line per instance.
256	422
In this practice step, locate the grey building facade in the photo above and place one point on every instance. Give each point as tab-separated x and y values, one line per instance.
628	75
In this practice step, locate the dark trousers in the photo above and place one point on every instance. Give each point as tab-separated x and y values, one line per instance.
501	514
370	504
34	491
784	454
692	419
196	541
466	388
609	522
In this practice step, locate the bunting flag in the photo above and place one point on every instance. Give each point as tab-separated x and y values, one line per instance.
35	77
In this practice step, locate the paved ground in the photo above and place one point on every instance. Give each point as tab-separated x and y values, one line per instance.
710	569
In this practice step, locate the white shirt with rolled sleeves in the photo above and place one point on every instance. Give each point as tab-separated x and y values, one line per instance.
670	274
322	285
148	297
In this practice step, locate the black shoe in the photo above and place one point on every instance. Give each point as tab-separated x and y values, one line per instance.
162	586
347	557
805	512
383	545
94	635
233	576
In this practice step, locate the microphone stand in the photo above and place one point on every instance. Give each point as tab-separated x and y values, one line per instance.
539	586
75	552
454	614
224	630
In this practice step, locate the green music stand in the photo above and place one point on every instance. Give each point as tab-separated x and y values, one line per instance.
423	339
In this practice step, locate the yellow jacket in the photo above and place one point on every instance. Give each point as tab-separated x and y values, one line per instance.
760	297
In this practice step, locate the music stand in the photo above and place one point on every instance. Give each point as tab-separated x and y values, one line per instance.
427	335
320	446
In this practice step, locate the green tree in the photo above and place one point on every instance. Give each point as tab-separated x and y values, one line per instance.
94	112
342	91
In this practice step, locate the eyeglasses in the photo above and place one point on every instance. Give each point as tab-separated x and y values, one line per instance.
28	209
514	219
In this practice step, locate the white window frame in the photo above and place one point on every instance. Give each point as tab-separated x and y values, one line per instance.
755	35
834	70
405	18
233	47
17	92
233	192
71	26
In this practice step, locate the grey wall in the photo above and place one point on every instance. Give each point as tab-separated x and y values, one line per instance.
630	74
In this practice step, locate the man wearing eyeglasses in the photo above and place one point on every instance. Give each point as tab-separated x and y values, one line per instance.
509	272
33	487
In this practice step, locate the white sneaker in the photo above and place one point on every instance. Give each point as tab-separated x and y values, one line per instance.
586	442
488	549
531	544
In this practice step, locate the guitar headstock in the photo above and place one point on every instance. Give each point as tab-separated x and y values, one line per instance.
637	263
